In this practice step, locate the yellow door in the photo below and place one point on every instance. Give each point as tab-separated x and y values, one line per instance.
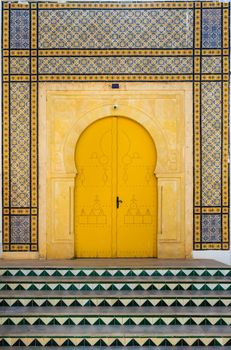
115	192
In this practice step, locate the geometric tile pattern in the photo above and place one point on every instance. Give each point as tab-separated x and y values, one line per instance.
112	321
211	228
19	29
124	300
20	144
20	229
152	307
20	65
115	279
211	64
122	28
211	28
115	65
211	143
116	286
161	342
156	41
115	272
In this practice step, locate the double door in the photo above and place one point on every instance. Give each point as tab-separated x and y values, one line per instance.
115	190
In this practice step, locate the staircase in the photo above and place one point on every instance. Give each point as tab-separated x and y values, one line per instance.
161	308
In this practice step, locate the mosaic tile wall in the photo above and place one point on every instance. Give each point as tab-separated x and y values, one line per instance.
156	41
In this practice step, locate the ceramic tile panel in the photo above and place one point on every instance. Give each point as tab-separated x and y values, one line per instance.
211	123
19	29
20	229
212	64
115	65
20	144
211	228
211	28
199	341
135	41
20	65
106	28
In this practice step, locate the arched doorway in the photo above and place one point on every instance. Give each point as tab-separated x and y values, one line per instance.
115	190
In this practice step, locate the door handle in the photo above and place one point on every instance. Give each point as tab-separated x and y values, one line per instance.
118	201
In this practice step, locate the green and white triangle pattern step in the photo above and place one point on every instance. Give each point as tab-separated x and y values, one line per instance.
123	272
118	320
108	284
165	309
196	347
48	300
116	340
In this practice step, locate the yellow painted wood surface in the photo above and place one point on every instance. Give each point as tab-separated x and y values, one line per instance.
111	162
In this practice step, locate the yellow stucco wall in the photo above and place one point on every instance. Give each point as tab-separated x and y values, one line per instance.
164	109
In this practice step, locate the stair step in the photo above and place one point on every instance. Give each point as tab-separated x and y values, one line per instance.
115	319
115	293
47	301
119	347
118	336
119	271
100	310
117	285
124	331
114	279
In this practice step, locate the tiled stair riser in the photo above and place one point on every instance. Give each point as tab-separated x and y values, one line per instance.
47	301
115	321
82	287
218	284
116	341
114	272
130	347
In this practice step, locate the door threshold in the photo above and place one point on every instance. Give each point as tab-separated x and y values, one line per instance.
130	263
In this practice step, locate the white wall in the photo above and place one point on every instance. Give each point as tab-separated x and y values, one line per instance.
223	256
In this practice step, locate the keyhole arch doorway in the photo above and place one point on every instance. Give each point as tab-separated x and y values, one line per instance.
115	190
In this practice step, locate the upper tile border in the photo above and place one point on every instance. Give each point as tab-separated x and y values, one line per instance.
114	52
114	5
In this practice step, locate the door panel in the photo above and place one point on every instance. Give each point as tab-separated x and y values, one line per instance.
136	216
115	157
93	211
170	206
60	244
